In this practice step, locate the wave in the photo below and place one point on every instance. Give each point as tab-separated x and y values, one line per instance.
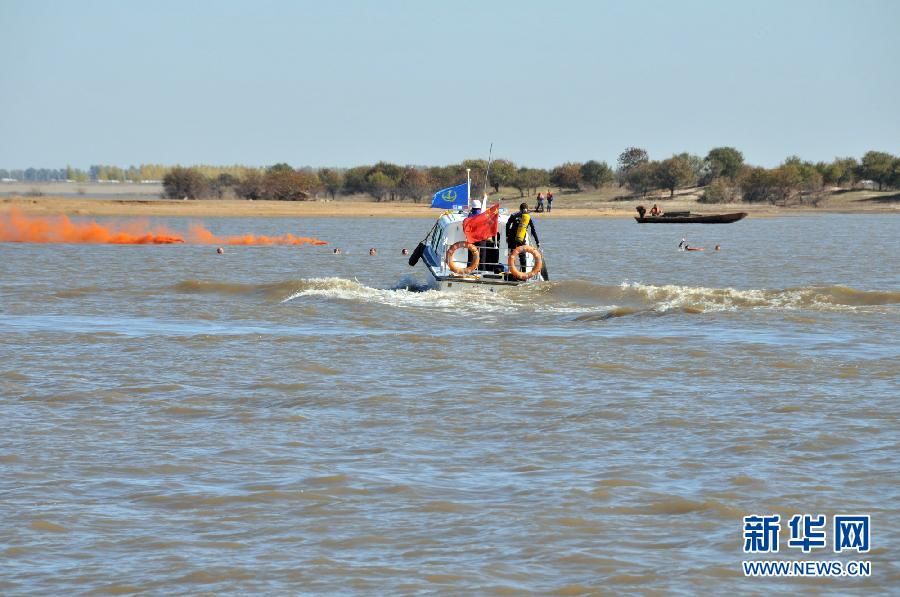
588	301
629	298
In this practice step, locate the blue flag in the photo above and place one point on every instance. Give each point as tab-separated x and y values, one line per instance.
452	198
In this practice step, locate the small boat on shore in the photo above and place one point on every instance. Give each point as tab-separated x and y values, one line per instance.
686	217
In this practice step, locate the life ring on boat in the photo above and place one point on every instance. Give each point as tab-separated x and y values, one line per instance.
512	262
472	262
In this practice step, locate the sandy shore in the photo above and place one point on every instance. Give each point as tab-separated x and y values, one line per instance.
564	207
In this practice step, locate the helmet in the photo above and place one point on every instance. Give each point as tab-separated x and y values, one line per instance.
476	203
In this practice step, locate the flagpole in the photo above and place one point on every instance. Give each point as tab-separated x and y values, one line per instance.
469	188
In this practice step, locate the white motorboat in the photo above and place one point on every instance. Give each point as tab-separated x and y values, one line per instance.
453	262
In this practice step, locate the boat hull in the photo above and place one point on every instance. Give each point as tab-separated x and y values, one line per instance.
694	219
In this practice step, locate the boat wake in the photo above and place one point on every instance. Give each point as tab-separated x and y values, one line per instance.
631	297
588	301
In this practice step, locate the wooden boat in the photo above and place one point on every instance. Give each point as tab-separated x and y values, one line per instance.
686	217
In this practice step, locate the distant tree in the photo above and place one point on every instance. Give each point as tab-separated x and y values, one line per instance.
674	173
520	181
444	176
840	172
697	165
4	173
478	168
332	180
502	174
379	185
385	185
355	179
251	185
642	177
777	186
280	167
220	185
414	183
152	171
537	177
179	183
811	178
787	180
877	166
724	162
720	190
895	177
289	185
596	173
567	176
629	159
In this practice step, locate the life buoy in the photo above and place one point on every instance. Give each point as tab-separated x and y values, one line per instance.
514	266
473	257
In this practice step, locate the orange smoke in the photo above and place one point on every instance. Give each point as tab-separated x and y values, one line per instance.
200	235
18	228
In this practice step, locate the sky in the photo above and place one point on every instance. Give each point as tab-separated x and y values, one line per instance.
346	83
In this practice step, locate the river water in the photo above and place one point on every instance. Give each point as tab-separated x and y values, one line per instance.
284	420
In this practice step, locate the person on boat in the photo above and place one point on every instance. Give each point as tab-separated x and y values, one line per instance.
476	208
549	200
516	230
540	203
654	211
641	211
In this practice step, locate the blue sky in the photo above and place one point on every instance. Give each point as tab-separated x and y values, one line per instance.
347	83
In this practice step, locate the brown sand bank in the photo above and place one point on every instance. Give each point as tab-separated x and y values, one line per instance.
565	206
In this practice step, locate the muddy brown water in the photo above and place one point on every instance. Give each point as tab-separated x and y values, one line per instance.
284	420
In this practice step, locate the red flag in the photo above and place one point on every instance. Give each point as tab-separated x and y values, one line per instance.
482	226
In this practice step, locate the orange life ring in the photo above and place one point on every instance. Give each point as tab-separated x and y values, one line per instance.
513	265
473	256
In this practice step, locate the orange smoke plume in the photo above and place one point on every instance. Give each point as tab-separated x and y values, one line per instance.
18	228
200	235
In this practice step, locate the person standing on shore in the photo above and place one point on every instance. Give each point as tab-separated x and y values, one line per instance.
549	200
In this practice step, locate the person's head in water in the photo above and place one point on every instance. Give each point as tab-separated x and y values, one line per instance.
337	251
220	250
405	251
372	251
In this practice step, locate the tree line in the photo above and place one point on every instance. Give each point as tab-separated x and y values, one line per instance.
722	173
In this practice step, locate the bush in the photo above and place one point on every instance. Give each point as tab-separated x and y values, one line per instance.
185	183
719	191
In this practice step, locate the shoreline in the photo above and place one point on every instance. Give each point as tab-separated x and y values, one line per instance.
239	208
